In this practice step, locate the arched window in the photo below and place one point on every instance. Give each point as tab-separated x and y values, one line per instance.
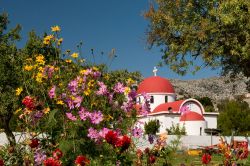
139	100
166	99
151	99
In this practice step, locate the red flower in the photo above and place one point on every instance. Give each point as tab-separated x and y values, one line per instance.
1	162
123	143
57	154
28	102
206	158
112	137
152	159
34	143
82	160
51	162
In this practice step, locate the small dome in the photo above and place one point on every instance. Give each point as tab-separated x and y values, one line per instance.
155	84
192	116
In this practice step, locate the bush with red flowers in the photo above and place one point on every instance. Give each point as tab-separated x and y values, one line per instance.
206	158
52	162
28	102
82	160
57	154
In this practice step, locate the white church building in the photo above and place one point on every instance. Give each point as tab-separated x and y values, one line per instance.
168	111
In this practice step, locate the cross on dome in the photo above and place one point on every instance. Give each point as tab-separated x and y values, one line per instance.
155	71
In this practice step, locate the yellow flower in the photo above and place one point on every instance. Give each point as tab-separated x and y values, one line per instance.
74	55
59	41
109	117
130	81
127	90
19	91
29	59
60	102
91	83
87	92
46	110
39	77
95	68
83	71
68	60
82	60
41	69
106	77
55	28
47	39
28	67
40	59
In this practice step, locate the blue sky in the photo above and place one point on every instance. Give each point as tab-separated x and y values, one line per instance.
101	25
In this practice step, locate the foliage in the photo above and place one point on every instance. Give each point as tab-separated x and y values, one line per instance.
234	116
176	130
152	127
216	31
207	103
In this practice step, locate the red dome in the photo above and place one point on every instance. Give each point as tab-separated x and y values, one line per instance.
192	116
155	84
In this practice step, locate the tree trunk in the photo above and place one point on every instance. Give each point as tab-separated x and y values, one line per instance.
7	130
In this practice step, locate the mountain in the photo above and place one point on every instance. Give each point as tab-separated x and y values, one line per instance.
216	88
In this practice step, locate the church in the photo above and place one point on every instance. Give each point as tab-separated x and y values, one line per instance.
168	111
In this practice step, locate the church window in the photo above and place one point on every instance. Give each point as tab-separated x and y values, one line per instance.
152	99
139	100
166	99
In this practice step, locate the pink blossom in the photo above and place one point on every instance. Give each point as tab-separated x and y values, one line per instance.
137	132
93	134
52	92
96	117
77	101
83	114
103	132
185	109
119	88
72	86
70	103
102	89
71	116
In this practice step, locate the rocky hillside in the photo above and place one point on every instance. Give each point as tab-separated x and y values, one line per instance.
217	88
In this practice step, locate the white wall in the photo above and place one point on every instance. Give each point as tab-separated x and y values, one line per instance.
193	127
211	121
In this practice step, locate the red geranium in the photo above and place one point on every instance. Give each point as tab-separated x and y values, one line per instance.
1	162
34	143
206	158
112	137
57	154
82	160
29	102
152	159
123	143
51	162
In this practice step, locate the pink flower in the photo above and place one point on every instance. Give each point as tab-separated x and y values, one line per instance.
137	132
71	116
119	88
103	132
96	117
102	89
83	114
52	92
72	86
77	101
93	134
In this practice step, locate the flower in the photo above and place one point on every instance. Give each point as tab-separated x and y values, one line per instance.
111	137
60	102
71	116
83	114
1	162
74	55
47	39
46	110
103	132
206	158
82	160
77	101
152	159
96	117
39	77
34	143
40	59
102	89
55	28
51	162
52	92
28	67
68	60
137	132
93	134
19	91
59	41
123	143
119	88
39	157
57	154
28	102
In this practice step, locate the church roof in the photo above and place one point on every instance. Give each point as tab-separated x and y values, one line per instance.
173	107
191	116
155	84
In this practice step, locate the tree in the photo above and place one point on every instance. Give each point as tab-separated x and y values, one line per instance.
234	116
217	32
10	59
207	103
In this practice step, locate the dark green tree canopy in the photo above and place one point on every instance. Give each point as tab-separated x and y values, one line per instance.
218	32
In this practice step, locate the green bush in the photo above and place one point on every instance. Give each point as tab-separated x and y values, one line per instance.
152	127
